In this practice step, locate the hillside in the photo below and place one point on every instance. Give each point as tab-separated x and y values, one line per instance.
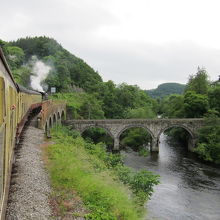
43	61
66	71
166	89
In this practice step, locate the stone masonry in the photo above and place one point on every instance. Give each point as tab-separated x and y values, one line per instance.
155	127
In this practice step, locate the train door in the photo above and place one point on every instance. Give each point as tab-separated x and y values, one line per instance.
2	132
12	117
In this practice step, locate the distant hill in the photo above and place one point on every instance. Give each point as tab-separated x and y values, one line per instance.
166	89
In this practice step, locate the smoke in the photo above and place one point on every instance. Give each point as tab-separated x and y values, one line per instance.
40	71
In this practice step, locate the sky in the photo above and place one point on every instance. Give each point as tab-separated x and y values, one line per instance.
139	42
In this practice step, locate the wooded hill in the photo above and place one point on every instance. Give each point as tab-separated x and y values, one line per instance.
99	100
68	70
166	89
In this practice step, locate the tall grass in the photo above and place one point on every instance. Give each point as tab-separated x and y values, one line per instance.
73	168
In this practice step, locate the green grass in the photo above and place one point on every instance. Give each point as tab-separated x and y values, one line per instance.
73	167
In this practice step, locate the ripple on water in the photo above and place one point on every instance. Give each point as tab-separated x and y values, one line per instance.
189	189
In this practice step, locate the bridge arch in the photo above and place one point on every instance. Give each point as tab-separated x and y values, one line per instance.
135	126
58	117
145	128
177	126
54	119
46	127
50	122
62	115
192	136
97	126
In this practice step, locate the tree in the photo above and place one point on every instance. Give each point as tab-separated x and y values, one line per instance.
173	106
195	105
141	112
214	98
91	108
199	82
15	57
22	76
209	141
107	93
135	138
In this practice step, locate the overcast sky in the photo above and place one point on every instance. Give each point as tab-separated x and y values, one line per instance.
142	42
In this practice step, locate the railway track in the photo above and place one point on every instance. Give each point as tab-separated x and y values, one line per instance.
29	189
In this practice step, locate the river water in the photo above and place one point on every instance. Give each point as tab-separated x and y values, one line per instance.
189	189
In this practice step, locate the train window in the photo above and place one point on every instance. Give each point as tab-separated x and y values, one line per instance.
11	99
2	100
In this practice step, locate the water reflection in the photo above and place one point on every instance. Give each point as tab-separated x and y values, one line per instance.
189	189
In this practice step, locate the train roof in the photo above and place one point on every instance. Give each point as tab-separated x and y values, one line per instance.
3	59
25	90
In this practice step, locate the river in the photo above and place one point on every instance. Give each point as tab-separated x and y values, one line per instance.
189	189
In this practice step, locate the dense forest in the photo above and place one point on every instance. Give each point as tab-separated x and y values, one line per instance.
200	100
89	97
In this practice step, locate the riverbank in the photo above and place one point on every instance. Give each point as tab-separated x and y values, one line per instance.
96	177
73	169
189	189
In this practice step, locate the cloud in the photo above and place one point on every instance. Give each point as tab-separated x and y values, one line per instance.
138	42
55	17
148	65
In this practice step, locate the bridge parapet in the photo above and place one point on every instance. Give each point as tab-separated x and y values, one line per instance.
115	127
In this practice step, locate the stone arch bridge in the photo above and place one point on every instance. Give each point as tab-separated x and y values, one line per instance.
115	127
52	113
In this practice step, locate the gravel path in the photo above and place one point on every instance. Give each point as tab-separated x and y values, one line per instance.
30	187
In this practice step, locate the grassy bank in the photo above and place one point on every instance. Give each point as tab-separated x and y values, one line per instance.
96	177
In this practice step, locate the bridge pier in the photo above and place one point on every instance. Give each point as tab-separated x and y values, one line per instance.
192	143
154	145
116	144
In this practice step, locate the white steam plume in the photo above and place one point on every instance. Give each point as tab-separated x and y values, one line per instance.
40	72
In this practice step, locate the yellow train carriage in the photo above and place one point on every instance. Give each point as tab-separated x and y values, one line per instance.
8	126
16	103
28	100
